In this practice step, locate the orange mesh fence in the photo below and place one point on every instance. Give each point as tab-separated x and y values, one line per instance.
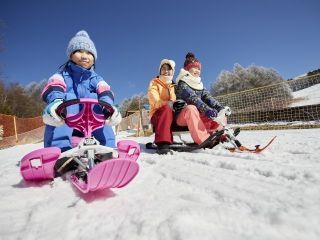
7	123
13	125
27	124
33	136
16	130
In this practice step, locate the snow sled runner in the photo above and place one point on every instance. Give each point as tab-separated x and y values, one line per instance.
93	166
189	147
240	148
225	136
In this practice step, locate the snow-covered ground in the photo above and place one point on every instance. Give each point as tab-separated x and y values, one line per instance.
307	96
208	194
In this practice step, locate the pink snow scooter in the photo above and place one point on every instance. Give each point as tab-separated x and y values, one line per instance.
93	166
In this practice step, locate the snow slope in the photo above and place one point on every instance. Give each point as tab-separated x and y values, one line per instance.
307	96
208	194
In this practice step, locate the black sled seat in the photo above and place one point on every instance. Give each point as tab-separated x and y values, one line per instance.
175	128
178	130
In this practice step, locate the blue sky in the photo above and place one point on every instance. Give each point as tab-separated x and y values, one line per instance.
132	37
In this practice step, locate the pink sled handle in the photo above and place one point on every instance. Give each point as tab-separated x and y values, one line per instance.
86	121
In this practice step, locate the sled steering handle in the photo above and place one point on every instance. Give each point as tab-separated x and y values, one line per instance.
86	120
61	110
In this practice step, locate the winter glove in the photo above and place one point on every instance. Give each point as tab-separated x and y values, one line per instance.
177	105
227	111
211	113
222	114
115	118
49	115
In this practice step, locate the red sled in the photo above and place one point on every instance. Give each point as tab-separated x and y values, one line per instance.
257	148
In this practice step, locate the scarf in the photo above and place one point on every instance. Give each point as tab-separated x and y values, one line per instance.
194	82
166	79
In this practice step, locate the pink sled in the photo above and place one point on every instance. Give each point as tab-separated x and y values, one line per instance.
39	164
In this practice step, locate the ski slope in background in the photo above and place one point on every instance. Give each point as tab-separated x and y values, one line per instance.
208	194
307	96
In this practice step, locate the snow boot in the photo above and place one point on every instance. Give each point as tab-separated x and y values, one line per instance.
163	148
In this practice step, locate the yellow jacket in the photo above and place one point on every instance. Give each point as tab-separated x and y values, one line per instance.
159	93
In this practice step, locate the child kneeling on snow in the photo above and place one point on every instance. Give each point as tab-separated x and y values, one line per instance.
76	79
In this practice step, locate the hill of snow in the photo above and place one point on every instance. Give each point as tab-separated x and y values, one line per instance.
307	96
208	194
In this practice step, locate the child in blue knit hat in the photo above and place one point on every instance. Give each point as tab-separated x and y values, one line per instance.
76	79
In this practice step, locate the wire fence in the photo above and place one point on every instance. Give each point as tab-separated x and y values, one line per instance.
291	104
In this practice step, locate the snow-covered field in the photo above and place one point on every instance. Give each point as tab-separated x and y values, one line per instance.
208	194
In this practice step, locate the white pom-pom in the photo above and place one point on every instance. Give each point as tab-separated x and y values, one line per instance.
83	34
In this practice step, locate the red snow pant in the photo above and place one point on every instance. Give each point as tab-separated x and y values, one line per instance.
161	121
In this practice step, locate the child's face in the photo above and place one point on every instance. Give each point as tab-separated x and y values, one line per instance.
195	72
166	70
82	58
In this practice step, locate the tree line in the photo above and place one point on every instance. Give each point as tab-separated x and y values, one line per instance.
21	101
314	72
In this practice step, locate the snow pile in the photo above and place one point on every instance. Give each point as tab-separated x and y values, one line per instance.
208	194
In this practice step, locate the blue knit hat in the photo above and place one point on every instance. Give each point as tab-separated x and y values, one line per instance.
81	41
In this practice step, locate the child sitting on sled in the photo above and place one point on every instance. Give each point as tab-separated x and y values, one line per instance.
76	79
163	104
203	115
166	110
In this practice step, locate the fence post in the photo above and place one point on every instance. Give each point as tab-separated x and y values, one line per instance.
15	128
1	132
139	121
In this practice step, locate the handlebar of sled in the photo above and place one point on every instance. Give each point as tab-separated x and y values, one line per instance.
86	120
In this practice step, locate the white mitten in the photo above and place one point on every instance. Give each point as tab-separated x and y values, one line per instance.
227	111
115	118
49	115
221	117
